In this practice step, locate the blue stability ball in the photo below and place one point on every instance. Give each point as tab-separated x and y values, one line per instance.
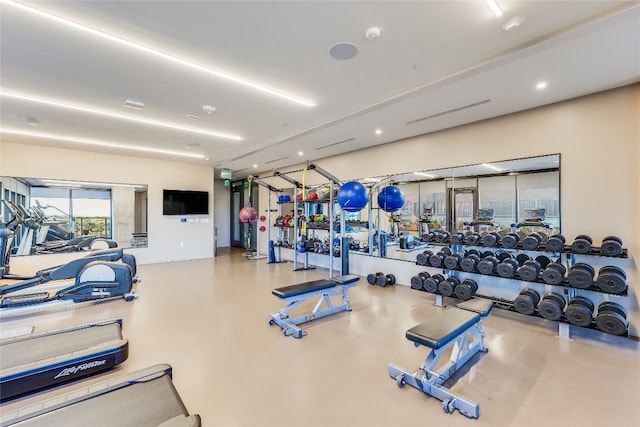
352	196
390	198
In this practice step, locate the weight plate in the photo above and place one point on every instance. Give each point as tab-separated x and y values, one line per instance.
486	254
581	276
371	279
549	309
559	299
581	246
528	272
423	275
381	281
610	306
611	323
531	242
454	280
585	237
463	292
524	304
504	255
535	296
543	261
578	315
457	239
472	283
486	266
614	238
391	278
446	251
430	285
584	302
556	243
611	248
473	239
490	240
510	241
416	283
469	264
451	262
445	288
553	274
505	269
471	252
612	269
436	260
423	258
522	258
611	283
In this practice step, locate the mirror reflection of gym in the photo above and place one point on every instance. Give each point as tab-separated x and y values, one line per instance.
491	197
62	215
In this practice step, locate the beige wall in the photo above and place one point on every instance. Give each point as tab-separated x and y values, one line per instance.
169	239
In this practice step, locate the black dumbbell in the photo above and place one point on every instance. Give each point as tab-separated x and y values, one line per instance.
527	301
423	258
452	262
579	311
416	282
582	244
491	239
612	279
488	264
372	278
472	239
508	265
611	246
556	243
443	236
470	262
457	238
510	241
431	284
530	270
386	280
533	240
551	306
554	273
580	275
437	259
611	318
428	237
447	287
466	290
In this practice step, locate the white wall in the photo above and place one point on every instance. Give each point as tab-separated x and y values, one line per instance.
169	239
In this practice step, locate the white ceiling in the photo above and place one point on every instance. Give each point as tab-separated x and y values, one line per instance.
466	60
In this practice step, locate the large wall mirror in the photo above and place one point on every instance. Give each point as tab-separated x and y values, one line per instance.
475	198
53	213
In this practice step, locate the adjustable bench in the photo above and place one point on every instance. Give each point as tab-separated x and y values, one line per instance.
295	295
450	328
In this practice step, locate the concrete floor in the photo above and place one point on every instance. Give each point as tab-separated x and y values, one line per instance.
208	319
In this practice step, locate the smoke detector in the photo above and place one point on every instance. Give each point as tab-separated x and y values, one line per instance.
372	33
32	120
513	23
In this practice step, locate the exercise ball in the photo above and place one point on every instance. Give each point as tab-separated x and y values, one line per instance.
352	196
390	198
248	214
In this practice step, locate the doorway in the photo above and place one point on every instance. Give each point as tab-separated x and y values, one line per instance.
241	197
461	208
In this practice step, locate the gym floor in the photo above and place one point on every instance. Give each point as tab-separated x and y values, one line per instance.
208	319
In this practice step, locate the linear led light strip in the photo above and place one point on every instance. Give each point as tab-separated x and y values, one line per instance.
99	143
23	97
158	53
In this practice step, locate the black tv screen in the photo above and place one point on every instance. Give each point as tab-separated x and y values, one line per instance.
180	202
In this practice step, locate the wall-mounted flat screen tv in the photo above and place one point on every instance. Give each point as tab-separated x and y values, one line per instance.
181	202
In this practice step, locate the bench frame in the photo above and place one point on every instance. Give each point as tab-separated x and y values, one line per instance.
289	324
429	380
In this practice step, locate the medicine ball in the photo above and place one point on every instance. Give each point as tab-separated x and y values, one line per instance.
352	196
248	214
390	198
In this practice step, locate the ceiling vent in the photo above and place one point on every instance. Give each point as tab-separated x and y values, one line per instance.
453	110
334	144
276	160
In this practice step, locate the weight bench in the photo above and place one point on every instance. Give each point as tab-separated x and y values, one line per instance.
450	328
295	295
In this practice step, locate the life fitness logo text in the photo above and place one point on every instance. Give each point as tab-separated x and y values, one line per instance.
75	369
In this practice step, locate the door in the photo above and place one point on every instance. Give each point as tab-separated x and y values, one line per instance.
461	208
237	203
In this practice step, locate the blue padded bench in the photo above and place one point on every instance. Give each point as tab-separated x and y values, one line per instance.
450	328
295	295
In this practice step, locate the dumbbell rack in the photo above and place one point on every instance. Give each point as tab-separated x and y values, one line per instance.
569	260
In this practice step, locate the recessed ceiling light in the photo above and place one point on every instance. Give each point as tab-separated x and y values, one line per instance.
158	53
191	145
98	142
424	174
378	131
541	85
118	115
255	166
136	105
208	109
300	153
513	23
343	51
207	159
494	7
